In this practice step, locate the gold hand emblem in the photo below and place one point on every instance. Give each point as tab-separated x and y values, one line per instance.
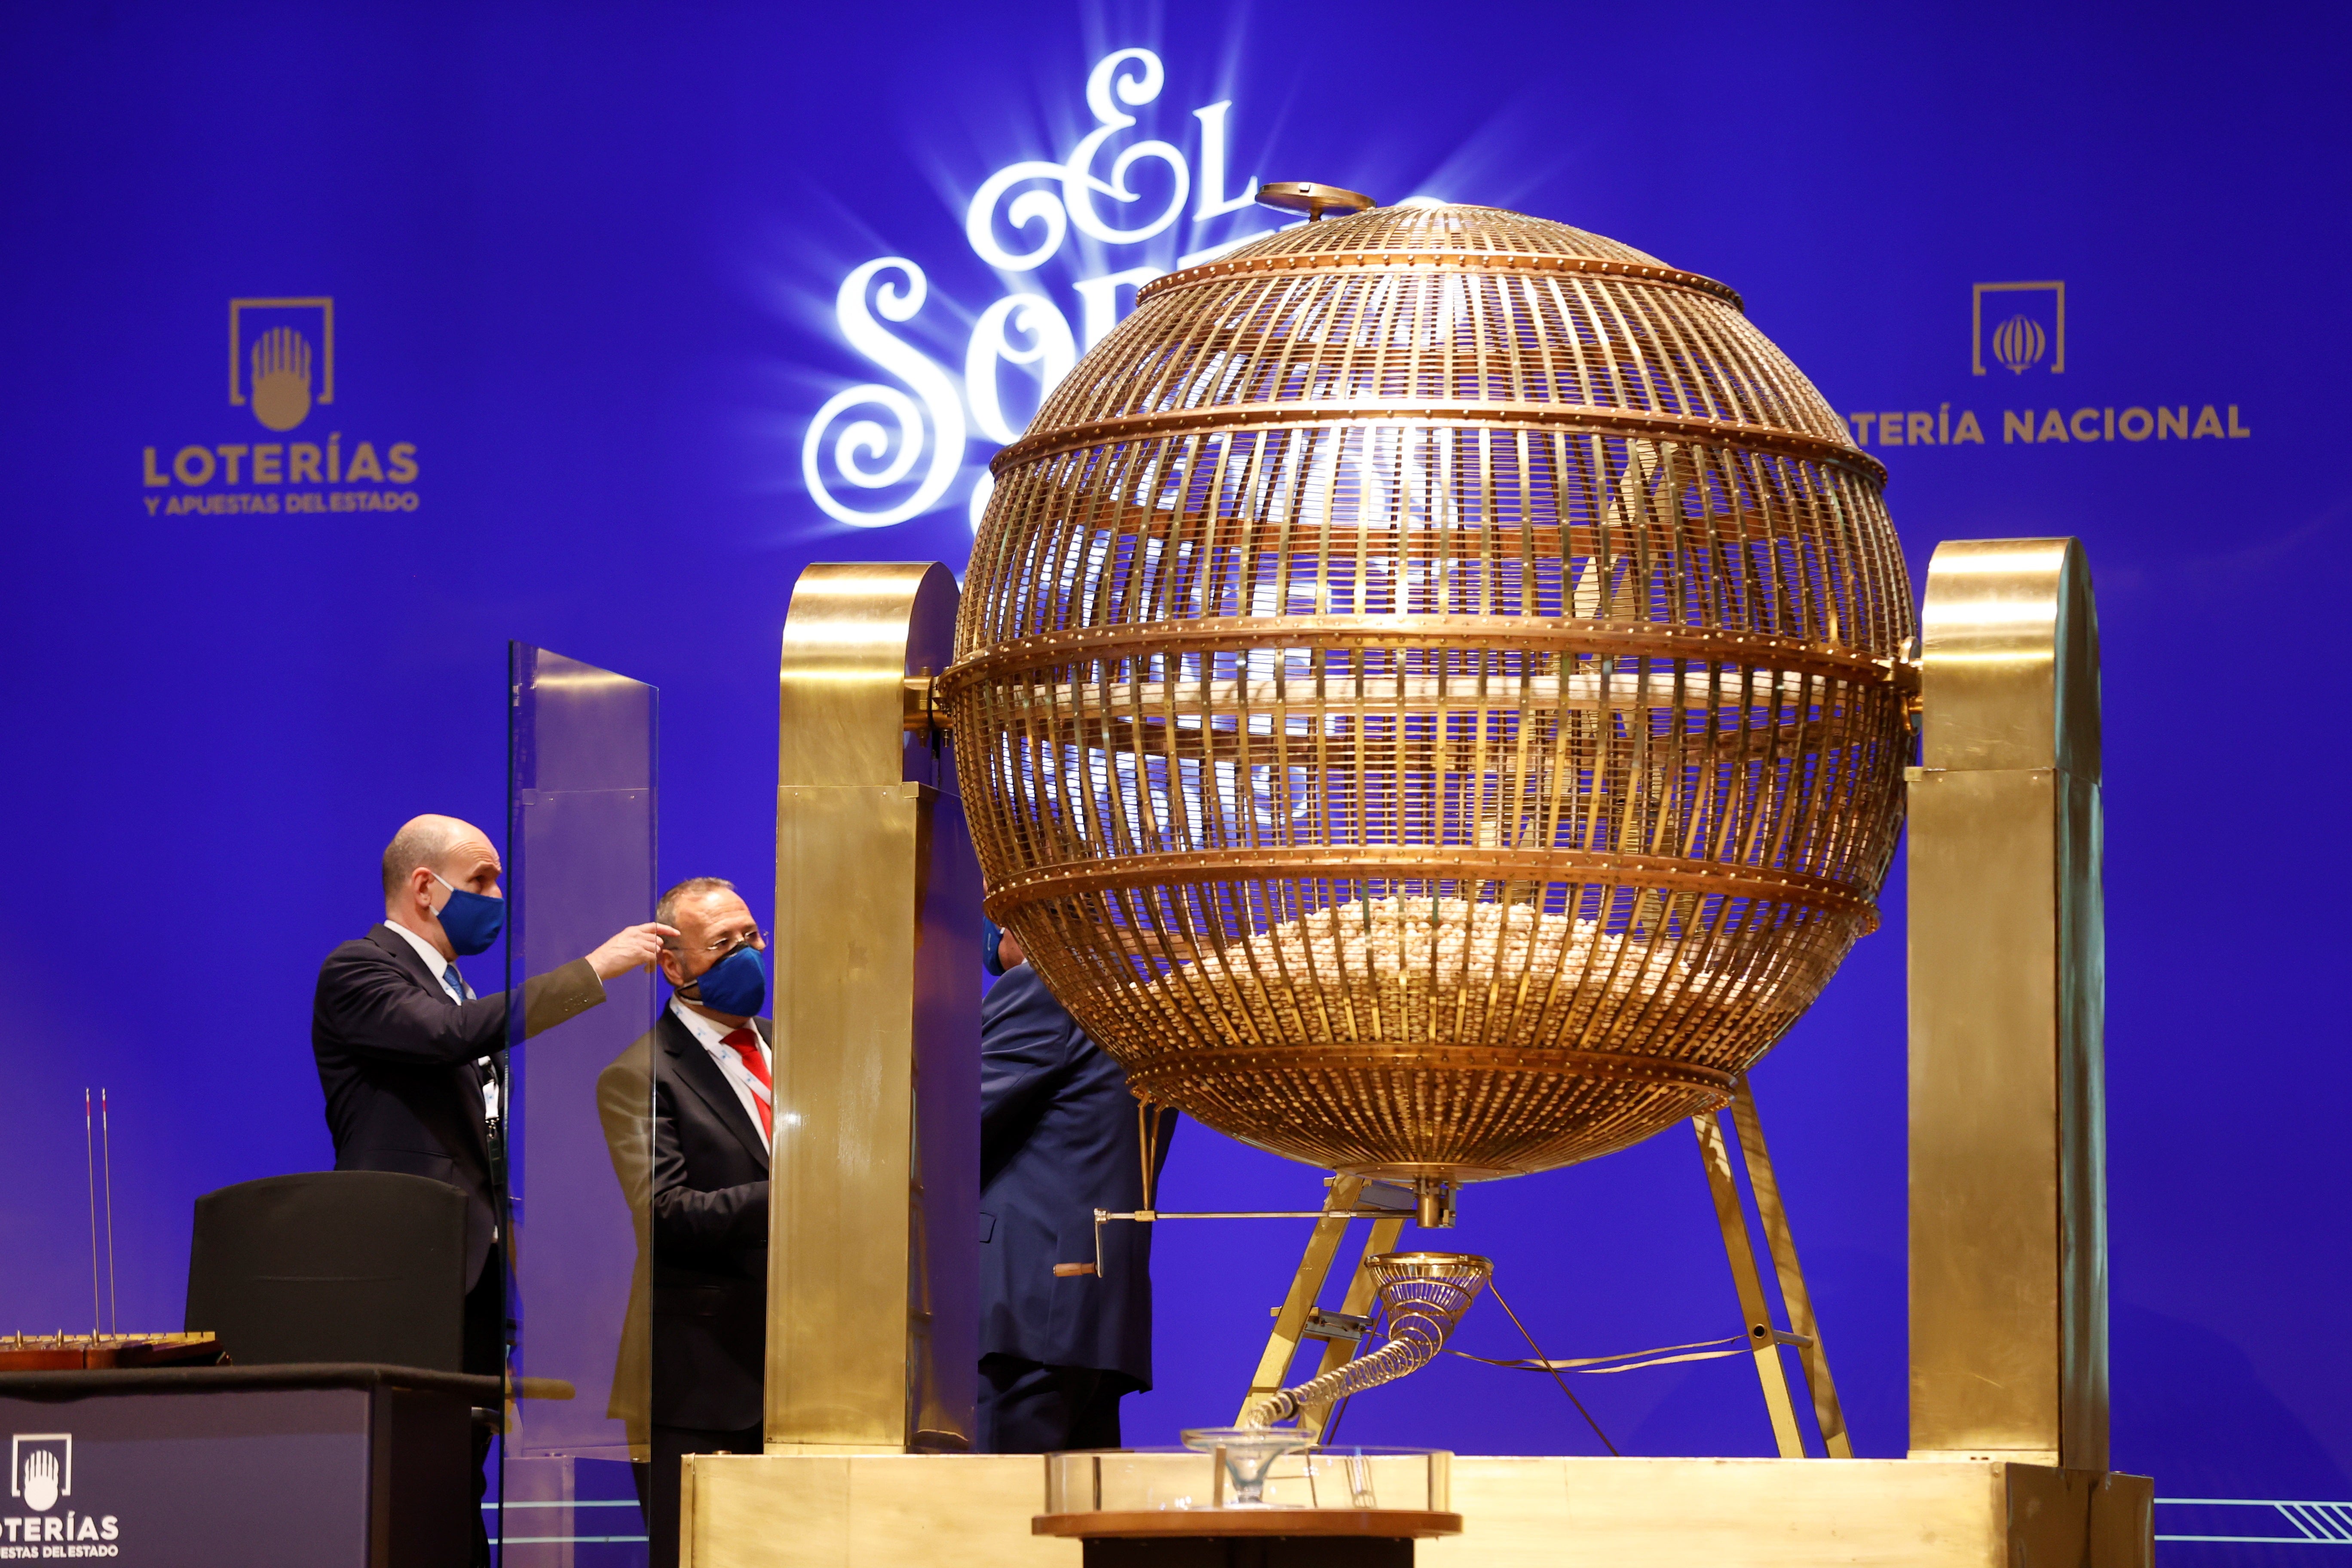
281	378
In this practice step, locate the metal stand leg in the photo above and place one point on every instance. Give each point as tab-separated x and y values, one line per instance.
1341	1331
1299	1319
1346	1335
1802	1327
1764	1339
1761	1338
1290	1319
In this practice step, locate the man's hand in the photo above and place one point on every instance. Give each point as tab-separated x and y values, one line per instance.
632	949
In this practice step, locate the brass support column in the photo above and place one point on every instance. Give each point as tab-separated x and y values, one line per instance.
873	1294
2008	1277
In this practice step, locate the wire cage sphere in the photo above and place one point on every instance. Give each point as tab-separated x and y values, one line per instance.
1429	692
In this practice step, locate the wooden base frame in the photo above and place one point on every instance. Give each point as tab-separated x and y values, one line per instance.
886	1511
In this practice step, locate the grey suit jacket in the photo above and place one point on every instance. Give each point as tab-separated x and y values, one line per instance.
694	1168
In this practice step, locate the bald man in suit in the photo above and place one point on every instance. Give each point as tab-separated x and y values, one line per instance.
407	1053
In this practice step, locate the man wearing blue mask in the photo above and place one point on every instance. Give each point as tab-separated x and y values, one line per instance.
707	1071
406	1050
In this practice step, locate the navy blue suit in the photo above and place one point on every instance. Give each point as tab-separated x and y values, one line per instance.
1058	1140
396	1055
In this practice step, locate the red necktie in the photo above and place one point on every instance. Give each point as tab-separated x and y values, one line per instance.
746	1045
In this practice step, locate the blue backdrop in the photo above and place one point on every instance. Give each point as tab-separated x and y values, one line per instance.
352	340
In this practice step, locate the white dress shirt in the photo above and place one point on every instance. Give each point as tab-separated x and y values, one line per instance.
435	964
445	970
712	1036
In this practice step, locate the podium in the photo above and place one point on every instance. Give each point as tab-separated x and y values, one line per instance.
294	1466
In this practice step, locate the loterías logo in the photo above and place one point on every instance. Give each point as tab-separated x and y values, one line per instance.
281	369
40	1468
2017	337
2031	322
1121	206
274	346
41	1479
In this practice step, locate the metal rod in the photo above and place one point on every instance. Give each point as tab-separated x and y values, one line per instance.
1147	1216
1556	1377
89	1161
106	1155
1143	1149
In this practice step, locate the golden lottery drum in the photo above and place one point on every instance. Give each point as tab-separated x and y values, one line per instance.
1429	692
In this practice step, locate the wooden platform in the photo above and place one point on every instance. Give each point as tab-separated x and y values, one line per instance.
885	1510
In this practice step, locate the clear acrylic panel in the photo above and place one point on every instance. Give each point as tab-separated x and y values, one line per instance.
1346	1476
580	865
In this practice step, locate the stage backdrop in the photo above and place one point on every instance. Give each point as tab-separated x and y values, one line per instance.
348	341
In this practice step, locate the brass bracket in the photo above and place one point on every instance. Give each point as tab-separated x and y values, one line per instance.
920	711
2007	985
873	1282
1325	1325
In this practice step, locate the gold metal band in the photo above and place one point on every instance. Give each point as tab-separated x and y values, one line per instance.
1355	415
1556	634
1415	862
1352	1056
1386	262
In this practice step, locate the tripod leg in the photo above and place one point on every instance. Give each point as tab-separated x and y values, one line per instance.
1290	1319
1361	1290
1716	1154
1782	1245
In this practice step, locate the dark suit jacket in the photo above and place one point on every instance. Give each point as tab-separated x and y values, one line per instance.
1057	1140
397	1056
702	1193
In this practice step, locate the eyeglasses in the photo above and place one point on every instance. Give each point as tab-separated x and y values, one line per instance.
725	946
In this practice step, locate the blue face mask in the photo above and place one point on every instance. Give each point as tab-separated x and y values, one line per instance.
472	920
737	984
992	938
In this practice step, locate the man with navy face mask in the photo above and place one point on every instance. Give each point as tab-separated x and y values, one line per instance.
705	1076
406	1048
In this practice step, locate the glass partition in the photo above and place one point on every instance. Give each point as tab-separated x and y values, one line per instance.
581	840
